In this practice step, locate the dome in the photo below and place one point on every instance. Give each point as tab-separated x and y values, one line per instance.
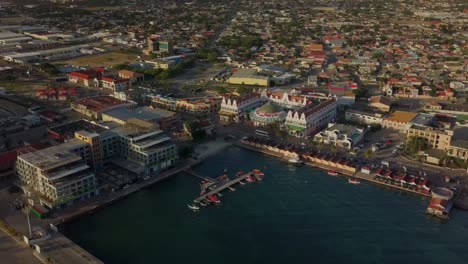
269	108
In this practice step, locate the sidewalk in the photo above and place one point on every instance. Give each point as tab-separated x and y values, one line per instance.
14	252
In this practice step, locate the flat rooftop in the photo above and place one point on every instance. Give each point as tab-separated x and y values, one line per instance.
68	130
100	103
144	113
248	73
53	157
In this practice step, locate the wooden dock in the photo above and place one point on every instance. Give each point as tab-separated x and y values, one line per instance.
222	187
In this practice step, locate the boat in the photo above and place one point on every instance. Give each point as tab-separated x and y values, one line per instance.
146	178
353	181
332	173
240	173
193	207
220	195
213	198
295	161
258	177
258	172
250	179
241	183
202	203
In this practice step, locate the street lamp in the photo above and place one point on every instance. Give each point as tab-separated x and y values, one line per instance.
26	210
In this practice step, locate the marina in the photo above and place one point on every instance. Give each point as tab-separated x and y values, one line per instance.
302	204
215	190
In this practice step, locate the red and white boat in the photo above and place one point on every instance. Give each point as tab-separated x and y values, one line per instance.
213	198
332	173
258	172
250	179
240	173
353	181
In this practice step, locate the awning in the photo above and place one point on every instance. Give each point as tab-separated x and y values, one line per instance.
296	128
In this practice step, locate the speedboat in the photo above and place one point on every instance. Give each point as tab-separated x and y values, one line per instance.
353	181
258	172
332	173
241	183
193	207
213	198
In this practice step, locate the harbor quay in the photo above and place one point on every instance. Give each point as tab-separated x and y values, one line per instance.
382	176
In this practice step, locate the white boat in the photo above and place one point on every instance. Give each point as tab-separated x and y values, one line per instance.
353	181
146	178
241	183
193	207
294	161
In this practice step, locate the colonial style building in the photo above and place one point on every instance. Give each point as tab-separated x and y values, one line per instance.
311	118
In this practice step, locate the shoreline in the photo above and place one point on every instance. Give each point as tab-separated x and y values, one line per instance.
358	174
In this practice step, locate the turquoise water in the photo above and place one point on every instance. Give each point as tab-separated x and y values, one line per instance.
296	215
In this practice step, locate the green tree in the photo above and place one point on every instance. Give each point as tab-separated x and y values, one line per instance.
414	145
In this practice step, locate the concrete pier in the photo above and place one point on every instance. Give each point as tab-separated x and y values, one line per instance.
222	187
198	175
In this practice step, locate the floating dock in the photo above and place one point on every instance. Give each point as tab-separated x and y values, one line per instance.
222	186
198	175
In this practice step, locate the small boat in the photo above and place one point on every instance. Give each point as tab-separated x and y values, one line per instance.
213	198
295	161
240	173
332	173
241	183
203	204
193	207
220	195
258	172
353	181
250	179
258	177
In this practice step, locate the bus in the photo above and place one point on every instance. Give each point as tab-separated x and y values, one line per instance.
262	133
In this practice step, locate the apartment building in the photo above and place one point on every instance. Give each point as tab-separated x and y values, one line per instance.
399	120
57	175
435	137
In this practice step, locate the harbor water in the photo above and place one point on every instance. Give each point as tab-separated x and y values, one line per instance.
295	215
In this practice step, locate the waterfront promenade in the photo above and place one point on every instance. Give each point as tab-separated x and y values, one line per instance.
358	174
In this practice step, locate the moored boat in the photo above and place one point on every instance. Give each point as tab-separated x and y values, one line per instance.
258	172
332	173
250	179
213	198
240	173
295	161
353	181
193	207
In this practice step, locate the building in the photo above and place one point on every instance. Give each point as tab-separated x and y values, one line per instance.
94	106
156	116
89	78
435	138
134	77
340	135
267	115
285	99
56	175
166	47
249	77
364	118
46	55
200	105
459	143
232	108
115	84
399	120
381	103
311	118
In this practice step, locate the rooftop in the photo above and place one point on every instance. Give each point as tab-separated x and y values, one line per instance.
144	113
248	73
100	103
401	116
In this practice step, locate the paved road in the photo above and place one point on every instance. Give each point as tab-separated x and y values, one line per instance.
11	252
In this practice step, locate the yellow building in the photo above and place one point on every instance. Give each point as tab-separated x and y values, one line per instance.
435	138
399	120
249	77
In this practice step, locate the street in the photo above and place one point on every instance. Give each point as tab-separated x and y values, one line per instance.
12	252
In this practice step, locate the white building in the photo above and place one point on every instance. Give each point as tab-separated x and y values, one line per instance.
56	175
311	118
232	107
340	135
363	117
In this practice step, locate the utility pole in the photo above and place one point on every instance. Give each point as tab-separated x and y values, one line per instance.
26	211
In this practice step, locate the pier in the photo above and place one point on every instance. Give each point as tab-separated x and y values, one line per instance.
223	186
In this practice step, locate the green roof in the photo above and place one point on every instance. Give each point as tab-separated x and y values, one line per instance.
297	128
